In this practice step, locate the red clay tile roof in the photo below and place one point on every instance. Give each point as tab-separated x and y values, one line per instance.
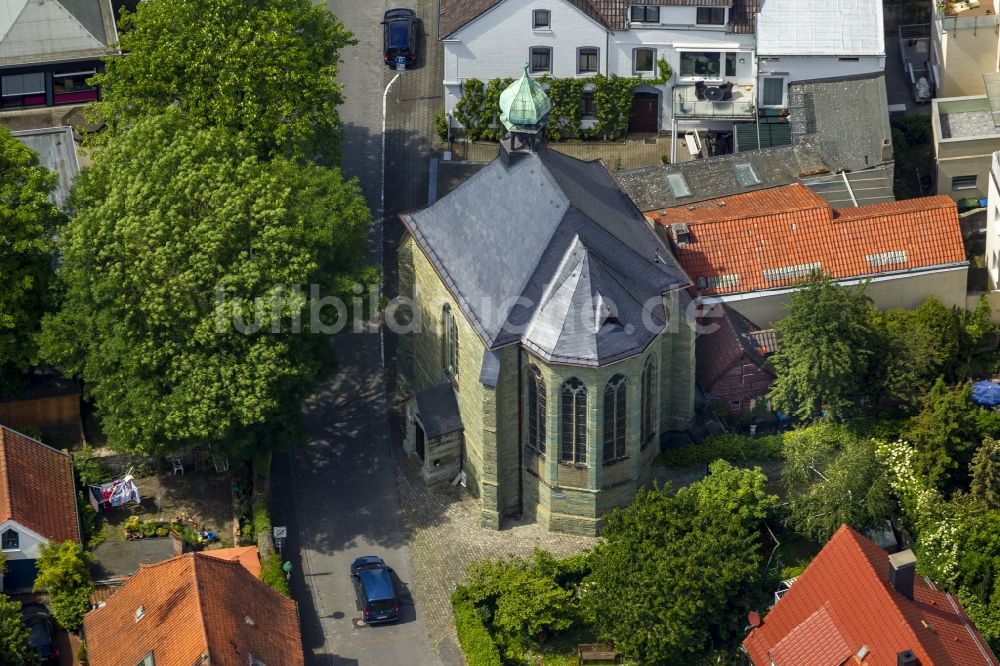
848	585
195	606
773	238
245	555
36	487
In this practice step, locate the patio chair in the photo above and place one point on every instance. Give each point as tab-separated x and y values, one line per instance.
178	466
699	90
727	90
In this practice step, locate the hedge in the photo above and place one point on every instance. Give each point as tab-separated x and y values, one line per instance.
272	574
731	448
477	644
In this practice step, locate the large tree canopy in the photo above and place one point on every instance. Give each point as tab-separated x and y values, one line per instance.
833	477
266	68
175	230
828	344
674	576
28	222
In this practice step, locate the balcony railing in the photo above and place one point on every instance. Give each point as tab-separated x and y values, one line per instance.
959	16
687	105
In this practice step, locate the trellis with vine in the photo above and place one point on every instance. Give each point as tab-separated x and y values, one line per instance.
479	108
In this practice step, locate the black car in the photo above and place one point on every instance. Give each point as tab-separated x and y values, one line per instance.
38	620
400	36
376	593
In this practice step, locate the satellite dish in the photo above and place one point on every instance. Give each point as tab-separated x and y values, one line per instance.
754	619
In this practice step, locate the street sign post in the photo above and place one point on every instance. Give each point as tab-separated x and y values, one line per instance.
280	533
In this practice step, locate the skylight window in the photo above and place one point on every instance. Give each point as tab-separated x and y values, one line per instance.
678	185
724	281
747	175
891	258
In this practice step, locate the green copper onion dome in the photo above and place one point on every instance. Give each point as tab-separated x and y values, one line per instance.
524	106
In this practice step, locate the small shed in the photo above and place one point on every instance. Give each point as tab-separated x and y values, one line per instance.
434	432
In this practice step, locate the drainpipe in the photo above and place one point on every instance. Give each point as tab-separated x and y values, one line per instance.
520	437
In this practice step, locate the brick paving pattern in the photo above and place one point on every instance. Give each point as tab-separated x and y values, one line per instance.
443	535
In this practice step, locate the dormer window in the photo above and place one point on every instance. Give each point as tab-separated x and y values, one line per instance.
644	14
541	19
148	660
10	540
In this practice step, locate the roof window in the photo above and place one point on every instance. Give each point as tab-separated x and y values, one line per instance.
891	258
747	175
791	272
678	185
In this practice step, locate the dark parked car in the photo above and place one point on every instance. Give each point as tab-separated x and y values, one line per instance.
400	36
38	620
373	585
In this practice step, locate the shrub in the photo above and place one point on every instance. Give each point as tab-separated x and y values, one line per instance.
441	125
261	520
89	468
272	574
81	654
475	639
731	448
64	573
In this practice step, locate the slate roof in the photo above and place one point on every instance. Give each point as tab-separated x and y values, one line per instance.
36	487
832	28
438	410
715	177
613	14
456	14
549	252
56	152
844	120
773	238
194	608
843	600
55	29
716	352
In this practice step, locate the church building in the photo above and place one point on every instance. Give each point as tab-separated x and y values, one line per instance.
550	348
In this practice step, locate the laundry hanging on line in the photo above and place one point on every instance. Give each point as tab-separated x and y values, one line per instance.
114	494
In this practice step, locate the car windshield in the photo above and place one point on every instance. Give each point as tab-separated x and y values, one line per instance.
382	605
38	635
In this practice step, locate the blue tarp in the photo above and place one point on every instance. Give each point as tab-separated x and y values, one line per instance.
986	394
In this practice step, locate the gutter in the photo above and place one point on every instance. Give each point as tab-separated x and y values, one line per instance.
520	436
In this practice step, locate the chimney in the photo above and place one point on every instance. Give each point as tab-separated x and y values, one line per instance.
681	233
902	567
907	658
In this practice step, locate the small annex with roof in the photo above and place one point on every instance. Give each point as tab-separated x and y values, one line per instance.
552	311
195	609
732	354
37	504
856	604
749	250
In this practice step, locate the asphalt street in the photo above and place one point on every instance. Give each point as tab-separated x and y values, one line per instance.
337	495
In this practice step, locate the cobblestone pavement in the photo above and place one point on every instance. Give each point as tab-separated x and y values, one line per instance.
443	535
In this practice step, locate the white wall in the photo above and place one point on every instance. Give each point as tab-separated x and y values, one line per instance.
805	68
993	223
903	291
30	542
497	44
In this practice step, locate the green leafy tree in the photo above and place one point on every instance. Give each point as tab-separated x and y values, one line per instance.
523	597
28	224
15	650
828	339
179	305
921	345
833	477
64	574
264	68
945	434
674	576
986	473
